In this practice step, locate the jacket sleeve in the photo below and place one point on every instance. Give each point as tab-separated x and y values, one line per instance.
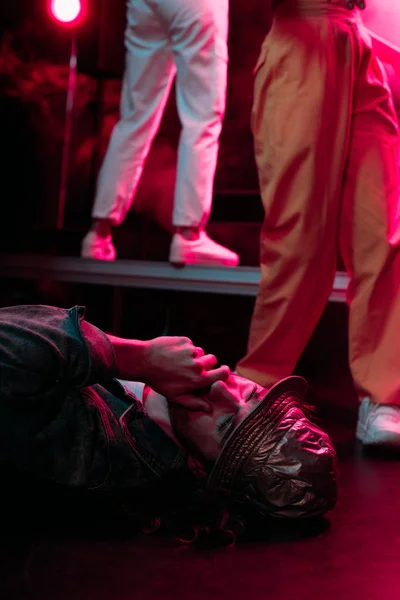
44	346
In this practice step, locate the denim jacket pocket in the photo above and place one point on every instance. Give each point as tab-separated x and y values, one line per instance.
150	443
101	466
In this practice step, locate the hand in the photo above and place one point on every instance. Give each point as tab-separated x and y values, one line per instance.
174	366
350	4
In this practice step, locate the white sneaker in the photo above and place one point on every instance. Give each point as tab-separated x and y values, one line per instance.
97	247
378	424
203	251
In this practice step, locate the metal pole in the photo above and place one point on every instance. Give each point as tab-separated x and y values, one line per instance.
67	133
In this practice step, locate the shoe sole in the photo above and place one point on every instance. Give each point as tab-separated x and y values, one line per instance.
207	262
391	440
90	257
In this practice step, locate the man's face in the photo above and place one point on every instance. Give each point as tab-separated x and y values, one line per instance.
204	433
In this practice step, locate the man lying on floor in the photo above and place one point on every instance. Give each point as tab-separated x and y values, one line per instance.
221	439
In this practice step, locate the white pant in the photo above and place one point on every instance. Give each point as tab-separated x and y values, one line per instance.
164	38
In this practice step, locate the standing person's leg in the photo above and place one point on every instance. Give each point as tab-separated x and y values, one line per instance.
301	118
149	73
370	245
198	30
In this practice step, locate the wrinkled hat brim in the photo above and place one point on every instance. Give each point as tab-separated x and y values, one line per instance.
245	437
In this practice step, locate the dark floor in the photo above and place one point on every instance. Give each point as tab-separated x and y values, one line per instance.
354	554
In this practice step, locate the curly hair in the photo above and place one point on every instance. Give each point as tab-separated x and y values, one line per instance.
179	505
183	506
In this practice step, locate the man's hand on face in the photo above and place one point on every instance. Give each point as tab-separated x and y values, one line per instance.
176	367
203	433
350	4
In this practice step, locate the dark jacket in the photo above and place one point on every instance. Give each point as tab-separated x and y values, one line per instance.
63	416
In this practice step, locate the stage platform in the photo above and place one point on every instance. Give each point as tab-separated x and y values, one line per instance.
240	281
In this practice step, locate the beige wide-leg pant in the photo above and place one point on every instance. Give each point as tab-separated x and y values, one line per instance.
327	149
164	39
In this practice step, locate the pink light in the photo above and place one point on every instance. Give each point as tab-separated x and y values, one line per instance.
66	11
383	19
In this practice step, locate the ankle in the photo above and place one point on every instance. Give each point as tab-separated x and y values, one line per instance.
188	233
102	227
